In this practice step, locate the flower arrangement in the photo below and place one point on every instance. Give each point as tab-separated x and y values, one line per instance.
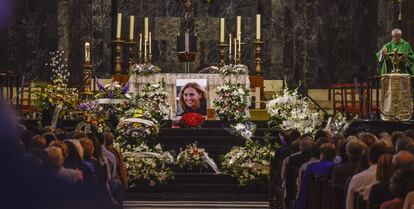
147	166
194	158
228	70
135	127
289	111
231	102
250	163
244	130
112	91
192	120
145	69
95	115
338	123
57	92
154	98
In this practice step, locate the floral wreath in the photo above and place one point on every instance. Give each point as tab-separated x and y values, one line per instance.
194	158
145	69
231	102
228	70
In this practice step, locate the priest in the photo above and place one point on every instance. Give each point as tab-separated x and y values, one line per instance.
402	46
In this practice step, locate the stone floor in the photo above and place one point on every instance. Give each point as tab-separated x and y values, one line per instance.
194	204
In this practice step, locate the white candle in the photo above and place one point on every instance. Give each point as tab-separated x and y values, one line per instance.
131	28
230	44
87	52
118	26
145	46
149	43
258	26
146	27
239	48
140	42
235	49
221	30
238	28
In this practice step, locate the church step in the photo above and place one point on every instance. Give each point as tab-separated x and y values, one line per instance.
195	204
173	187
203	178
217	196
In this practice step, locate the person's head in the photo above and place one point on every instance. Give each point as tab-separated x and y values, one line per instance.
367	138
191	95
385	168
355	148
396	35
395	135
88	147
402	159
294	134
402	143
409	133
55	156
328	151
306	144
37	141
109	138
375	151
402	182
62	146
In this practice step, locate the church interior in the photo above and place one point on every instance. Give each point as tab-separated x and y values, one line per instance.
279	104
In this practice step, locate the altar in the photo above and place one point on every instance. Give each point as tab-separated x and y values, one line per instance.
213	81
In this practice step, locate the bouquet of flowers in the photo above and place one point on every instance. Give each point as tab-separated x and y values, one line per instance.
144	69
135	127
192	120
57	92
338	123
228	70
244	130
231	102
289	111
147	166
112	91
94	116
193	158
154	98
248	164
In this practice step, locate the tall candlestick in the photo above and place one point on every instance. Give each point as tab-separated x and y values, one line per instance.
258	26
118	26
230	45
149	43
238	28
239	48
146	27
131	28
87	52
221	30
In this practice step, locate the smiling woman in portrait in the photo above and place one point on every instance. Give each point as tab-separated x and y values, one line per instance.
193	99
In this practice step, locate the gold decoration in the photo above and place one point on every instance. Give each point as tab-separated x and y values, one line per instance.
222	47
118	59
396	93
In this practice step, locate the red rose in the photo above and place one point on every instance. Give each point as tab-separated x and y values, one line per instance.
192	119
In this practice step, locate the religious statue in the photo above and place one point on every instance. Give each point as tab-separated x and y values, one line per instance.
187	40
399	52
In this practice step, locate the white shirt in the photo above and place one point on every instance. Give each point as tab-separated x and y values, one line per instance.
360	183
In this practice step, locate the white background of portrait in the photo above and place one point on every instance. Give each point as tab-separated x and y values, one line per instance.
182	82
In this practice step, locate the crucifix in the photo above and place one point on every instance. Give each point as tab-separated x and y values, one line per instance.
186	41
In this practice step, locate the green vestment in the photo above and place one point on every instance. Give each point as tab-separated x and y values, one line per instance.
401	46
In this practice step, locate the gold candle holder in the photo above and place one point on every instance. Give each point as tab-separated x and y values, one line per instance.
258	44
222	49
131	62
87	74
237	59
118	60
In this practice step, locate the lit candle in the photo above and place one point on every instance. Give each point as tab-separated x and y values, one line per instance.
131	28
87	52
146	27
230	44
118	26
238	31
221	30
258	27
149	43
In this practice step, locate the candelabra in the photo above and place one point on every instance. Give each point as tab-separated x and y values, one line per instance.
258	45
118	60
131	44
222	48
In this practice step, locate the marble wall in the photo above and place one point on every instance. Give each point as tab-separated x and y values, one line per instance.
318	42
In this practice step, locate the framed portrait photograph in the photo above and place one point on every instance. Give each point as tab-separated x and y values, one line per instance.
191	96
